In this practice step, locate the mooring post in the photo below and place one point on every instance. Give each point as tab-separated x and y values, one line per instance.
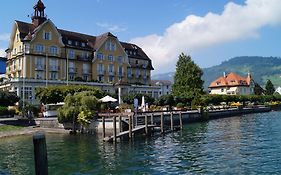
120	123
40	154
162	123
151	119
114	128
180	116
172	121
103	126
146	125
130	126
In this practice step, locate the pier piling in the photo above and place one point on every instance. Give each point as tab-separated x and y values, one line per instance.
130	126
172	121
162	123
114	128
180	116
40	154
103	126
146	125
120	123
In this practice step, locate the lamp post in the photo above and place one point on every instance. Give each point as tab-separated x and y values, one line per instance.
23	78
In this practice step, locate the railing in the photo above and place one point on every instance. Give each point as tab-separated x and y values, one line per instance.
53	68
72	70
111	73
39	67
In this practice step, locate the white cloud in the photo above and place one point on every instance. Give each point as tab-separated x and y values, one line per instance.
112	27
4	37
2	53
195	32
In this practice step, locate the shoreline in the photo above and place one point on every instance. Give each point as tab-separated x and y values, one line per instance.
31	130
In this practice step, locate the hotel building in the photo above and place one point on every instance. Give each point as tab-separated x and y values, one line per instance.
40	54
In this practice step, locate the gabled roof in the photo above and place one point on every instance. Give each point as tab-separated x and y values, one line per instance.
230	80
92	42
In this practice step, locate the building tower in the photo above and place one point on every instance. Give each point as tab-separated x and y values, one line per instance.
39	14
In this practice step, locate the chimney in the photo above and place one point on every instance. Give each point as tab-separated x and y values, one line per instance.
224	75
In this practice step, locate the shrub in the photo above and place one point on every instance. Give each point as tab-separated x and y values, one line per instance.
4	110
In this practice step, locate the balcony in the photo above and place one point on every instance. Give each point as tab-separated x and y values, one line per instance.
86	72
72	70
112	73
83	58
39	67
53	68
101	72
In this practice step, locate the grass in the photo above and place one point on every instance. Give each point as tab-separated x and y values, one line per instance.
6	128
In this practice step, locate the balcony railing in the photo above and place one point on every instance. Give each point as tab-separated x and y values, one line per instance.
84	58
72	70
112	73
101	72
39	67
53	68
86	71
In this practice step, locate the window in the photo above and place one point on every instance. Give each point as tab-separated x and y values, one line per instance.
100	56
39	75
110	58
120	70
100	78
15	51
100	69
53	50
110	68
20	49
85	77
120	59
71	54
129	72
39	48
110	45
54	75
83	44
76	43
222	90
69	42
47	35
110	78
18	37
71	77
137	62
138	72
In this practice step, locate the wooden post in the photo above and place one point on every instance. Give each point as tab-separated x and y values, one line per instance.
172	121
146	125
130	126
180	116
120	123
103	126
162	123
114	128
151	119
40	154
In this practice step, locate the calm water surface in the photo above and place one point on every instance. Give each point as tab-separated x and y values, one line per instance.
239	145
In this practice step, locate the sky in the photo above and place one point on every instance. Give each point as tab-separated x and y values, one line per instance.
210	31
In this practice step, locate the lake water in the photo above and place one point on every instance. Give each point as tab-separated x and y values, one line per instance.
249	144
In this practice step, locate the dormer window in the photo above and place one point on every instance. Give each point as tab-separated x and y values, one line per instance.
18	37
47	35
69	42
76	43
83	44
110	58
218	83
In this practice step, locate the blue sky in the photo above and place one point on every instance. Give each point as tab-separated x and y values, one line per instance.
211	31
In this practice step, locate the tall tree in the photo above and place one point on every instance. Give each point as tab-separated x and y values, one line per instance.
269	88
187	79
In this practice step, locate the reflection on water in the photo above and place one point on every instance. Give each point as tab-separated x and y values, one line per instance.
239	145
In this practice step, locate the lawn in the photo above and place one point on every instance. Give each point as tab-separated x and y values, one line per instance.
5	128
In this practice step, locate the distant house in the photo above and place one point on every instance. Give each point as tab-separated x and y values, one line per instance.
166	86
2	65
278	90
233	84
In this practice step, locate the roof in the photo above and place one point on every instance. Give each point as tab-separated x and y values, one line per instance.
91	42
230	80
3	59
161	82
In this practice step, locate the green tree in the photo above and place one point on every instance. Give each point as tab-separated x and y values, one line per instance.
8	98
56	94
187	79
166	100
79	108
269	88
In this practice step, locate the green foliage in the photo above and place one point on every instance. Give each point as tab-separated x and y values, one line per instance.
129	99
187	79
269	88
8	98
80	107
56	94
180	105
4	110
166	100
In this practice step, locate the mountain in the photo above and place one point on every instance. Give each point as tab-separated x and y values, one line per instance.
261	69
